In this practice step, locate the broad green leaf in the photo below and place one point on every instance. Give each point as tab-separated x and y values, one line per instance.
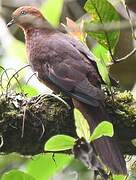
105	128
101	12
82	127
59	143
118	177
101	53
103	71
43	167
102	58
17	175
52	9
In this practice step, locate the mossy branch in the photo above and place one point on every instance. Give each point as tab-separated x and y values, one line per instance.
26	124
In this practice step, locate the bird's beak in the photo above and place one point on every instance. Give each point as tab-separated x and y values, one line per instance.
11	23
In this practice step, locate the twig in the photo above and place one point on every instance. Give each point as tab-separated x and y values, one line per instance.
108	27
124	58
5	72
34	74
23	121
2	141
14	76
41	97
43	131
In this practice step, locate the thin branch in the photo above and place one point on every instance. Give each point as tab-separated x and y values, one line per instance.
14	76
23	121
1	138
56	118
124	58
108	27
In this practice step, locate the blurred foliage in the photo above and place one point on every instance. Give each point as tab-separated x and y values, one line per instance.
51	10
17	175
30	91
17	50
118	177
11	161
44	166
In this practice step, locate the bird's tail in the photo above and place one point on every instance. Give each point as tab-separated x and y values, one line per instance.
106	147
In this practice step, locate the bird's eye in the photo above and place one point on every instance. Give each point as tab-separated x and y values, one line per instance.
23	13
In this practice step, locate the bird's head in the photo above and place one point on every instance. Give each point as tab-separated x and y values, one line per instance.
26	16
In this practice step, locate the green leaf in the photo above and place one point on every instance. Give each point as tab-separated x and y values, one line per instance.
82	127
101	12
103	71
17	175
101	53
52	9
102	58
105	128
43	167
59	143
118	177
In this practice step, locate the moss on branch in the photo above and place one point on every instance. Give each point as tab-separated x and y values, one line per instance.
26	124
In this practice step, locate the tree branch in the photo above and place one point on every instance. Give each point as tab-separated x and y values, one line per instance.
46	116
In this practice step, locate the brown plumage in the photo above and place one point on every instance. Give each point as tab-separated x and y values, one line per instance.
65	64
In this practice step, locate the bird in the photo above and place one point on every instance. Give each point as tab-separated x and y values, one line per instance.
65	64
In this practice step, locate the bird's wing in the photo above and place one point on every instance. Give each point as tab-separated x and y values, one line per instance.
81	47
73	82
87	53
